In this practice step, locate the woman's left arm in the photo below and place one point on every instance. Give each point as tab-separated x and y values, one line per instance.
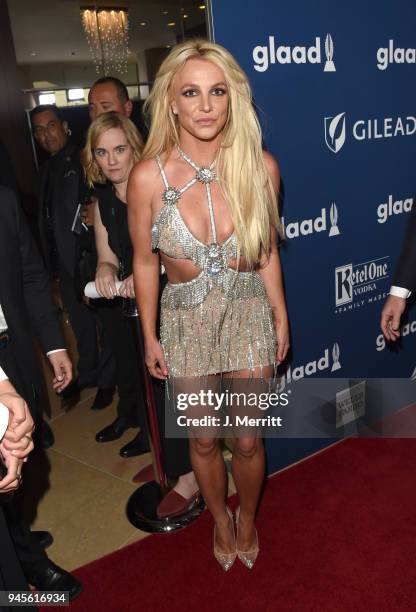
271	272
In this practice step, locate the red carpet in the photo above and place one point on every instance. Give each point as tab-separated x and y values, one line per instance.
337	534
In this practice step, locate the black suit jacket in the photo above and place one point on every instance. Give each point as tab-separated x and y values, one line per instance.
25	293
61	183
405	273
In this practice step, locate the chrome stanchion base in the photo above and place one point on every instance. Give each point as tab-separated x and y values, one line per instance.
142	505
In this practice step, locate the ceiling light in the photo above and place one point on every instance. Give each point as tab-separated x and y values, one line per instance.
202	6
33	54
76	94
142	23
165	13
185	16
171	24
47	98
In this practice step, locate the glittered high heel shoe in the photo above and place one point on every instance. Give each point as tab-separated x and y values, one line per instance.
248	557
226	560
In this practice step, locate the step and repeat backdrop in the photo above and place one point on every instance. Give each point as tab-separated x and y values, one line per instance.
335	87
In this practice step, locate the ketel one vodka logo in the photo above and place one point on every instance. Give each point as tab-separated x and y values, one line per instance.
319	224
360	281
312	367
274	52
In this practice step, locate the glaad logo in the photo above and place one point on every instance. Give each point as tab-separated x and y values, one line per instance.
306	227
366	129
390	55
405	330
263	56
333	215
329	53
335	132
390	208
312	367
358	281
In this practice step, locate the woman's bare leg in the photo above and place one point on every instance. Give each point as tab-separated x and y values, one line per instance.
248	465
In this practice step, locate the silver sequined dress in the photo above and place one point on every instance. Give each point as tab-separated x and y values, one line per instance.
221	320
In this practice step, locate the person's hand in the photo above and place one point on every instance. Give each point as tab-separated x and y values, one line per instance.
155	359
105	280
17	442
282	337
20	428
13	478
126	290
62	369
390	317
87	212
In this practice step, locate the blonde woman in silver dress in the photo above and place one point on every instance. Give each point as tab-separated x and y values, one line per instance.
203	202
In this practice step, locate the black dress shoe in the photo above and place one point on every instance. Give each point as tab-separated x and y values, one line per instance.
115	430
54	578
103	398
43	538
44	437
138	446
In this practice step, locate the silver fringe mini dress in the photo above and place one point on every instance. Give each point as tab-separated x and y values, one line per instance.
221	320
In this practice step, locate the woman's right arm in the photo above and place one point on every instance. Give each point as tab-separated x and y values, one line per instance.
146	264
107	263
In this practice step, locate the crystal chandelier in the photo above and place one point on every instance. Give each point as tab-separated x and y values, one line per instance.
108	38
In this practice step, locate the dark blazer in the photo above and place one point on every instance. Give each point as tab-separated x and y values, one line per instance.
25	293
61	180
405	273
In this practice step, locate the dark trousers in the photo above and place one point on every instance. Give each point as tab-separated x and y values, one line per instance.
130	385
11	574
31	556
96	363
175	450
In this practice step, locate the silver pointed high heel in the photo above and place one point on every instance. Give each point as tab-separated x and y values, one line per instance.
247	557
226	560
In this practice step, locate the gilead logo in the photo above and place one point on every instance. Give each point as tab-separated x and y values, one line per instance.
335	129
274	53
390	55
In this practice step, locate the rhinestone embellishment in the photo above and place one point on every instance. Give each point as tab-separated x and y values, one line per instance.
215	261
171	196
205	175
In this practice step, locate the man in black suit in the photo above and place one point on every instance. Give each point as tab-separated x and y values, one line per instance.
16	439
26	308
61	189
404	283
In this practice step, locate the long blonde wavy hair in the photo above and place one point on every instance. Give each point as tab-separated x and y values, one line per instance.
103	123
240	166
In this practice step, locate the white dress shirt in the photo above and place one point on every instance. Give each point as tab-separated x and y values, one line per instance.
400	292
3	327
